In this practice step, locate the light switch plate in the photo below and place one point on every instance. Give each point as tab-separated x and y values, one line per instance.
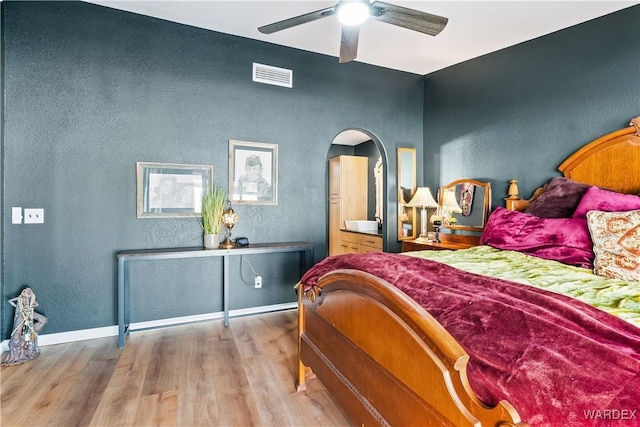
34	216
16	215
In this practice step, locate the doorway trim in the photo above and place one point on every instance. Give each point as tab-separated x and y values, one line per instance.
351	138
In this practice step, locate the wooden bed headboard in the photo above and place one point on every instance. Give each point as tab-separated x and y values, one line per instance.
611	161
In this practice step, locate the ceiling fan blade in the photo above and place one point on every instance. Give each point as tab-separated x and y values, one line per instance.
408	18
297	20
349	43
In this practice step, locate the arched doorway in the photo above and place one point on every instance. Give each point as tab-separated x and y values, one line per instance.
362	142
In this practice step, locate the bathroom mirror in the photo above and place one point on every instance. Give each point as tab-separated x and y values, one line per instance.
467	201
406	190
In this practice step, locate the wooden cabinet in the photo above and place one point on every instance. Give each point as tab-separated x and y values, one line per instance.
359	242
347	196
370	243
349	243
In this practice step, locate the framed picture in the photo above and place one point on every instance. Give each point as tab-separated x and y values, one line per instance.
170	190
253	172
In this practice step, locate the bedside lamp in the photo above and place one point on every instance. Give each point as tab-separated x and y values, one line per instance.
423	199
450	205
444	214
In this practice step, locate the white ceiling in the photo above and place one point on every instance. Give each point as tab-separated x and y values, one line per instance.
350	137
475	27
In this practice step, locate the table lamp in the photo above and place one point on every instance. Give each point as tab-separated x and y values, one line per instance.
229	219
450	205
423	199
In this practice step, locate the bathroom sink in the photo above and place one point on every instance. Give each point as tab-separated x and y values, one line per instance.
362	225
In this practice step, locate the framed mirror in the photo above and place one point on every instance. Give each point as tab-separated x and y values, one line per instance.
466	202
406	190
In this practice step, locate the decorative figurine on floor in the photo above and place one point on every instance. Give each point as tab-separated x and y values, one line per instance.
23	345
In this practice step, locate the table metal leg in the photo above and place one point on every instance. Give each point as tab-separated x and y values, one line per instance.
120	302
225	289
127	299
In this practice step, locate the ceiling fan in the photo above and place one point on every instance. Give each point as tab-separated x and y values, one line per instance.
351	13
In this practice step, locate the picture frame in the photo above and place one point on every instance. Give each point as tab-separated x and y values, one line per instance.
253	173
170	190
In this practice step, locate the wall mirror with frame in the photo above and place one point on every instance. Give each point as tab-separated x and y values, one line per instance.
406	190
469	209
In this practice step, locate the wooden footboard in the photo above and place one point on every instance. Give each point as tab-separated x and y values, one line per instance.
384	359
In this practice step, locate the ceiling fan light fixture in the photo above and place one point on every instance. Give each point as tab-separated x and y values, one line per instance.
353	13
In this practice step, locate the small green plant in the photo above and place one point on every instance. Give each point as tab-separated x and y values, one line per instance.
213	202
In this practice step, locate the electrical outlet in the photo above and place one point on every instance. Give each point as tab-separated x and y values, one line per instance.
34	216
258	282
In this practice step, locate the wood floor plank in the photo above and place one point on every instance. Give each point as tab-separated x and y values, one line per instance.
18	381
198	382
201	374
162	371
157	410
278	335
271	402
82	399
33	401
231	387
118	405
63	377
272	394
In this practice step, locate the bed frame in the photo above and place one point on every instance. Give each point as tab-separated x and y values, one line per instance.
386	361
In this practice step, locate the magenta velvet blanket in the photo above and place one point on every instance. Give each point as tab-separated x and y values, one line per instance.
558	361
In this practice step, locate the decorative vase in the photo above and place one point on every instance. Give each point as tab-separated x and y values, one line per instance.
211	241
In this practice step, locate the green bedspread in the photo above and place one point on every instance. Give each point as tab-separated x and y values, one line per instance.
618	297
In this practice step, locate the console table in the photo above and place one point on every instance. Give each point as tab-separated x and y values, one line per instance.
126	257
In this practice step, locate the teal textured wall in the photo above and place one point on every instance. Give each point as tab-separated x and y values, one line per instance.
518	113
90	90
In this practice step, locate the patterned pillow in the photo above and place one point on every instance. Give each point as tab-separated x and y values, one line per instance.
616	243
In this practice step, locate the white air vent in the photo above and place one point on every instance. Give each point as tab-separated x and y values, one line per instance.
272	75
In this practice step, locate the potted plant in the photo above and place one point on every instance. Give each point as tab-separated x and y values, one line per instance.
213	201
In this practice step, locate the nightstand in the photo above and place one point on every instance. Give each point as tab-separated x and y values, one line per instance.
452	242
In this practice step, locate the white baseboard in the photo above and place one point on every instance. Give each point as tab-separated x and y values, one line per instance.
111	331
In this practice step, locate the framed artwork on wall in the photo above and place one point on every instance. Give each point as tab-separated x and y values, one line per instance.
253	173
170	189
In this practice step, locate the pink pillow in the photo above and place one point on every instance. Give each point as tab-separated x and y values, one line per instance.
616	243
597	199
566	240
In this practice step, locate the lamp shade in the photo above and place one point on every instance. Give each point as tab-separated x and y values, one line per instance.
423	199
449	202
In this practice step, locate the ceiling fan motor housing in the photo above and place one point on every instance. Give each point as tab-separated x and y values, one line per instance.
353	12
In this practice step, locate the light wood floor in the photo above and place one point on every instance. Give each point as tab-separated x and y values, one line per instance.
193	375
